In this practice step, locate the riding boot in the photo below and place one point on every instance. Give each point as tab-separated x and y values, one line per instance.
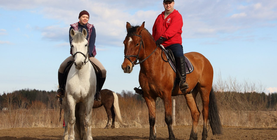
100	83
62	81
181	67
139	91
62	77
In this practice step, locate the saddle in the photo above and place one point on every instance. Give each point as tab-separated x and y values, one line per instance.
70	63
171	60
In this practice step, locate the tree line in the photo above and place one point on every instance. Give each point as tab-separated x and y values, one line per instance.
33	98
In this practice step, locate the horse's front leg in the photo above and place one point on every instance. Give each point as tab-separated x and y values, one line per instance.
71	119
64	107
65	136
168	115
151	104
88	116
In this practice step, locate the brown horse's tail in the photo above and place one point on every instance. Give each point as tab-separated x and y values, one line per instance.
214	115
117	109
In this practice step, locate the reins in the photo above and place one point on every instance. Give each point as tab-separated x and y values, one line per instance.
136	56
83	55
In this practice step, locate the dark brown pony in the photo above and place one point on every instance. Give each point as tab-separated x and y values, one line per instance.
109	100
157	79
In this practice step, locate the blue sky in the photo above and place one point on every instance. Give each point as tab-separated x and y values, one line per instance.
239	37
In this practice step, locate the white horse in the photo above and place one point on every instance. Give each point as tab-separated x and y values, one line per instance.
80	89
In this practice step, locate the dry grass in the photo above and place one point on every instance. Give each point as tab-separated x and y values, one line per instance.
29	118
236	109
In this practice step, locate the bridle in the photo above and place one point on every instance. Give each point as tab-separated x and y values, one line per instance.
137	56
82	54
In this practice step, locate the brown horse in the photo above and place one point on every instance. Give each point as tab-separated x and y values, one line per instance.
157	79
109	100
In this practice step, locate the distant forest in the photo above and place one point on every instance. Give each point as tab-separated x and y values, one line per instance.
28	99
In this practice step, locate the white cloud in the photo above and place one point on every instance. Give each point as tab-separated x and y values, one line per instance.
240	15
55	33
201	18
258	6
5	42
272	89
217	20
3	32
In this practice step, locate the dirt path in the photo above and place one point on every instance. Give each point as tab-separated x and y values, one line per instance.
181	132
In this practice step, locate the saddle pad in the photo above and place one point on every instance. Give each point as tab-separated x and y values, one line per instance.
171	60
189	66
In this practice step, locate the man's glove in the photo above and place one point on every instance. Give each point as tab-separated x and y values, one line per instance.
160	41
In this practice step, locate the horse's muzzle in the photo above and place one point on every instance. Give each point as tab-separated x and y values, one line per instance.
78	65
127	68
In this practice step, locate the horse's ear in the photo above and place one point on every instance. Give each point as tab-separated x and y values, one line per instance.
141	27
128	26
72	32
84	32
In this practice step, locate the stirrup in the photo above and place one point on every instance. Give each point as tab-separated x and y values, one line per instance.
183	86
138	91
60	93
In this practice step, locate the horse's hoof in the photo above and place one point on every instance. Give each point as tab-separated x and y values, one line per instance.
193	136
171	138
152	138
107	127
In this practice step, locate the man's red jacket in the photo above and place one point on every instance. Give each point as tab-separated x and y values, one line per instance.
169	28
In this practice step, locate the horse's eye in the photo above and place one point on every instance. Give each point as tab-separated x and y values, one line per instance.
86	45
137	44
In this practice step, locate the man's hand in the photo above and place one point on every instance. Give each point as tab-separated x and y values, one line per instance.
160	41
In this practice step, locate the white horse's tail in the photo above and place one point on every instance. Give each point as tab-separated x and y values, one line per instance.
117	109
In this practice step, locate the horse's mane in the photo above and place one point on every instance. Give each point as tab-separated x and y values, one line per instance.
132	31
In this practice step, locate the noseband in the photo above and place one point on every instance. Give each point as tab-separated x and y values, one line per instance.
83	55
137	56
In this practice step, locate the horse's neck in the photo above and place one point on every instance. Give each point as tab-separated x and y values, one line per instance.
154	59
84	72
87	68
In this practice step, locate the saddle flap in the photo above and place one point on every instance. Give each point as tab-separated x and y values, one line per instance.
171	60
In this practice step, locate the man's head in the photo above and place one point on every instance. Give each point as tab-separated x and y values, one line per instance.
168	5
83	17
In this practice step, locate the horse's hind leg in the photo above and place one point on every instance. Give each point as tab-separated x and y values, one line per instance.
168	116
109	115
79	126
194	113
205	92
113	117
151	104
